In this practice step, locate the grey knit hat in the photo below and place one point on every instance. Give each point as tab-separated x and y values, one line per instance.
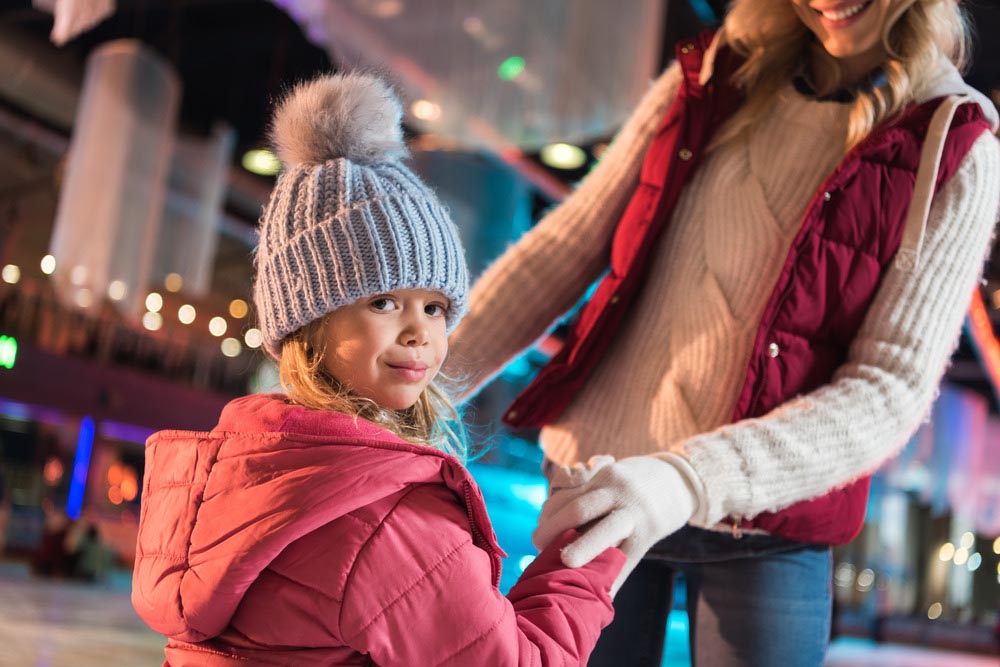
347	219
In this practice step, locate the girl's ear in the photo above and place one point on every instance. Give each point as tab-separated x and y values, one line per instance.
315	338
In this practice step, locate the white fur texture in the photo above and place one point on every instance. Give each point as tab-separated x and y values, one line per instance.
353	116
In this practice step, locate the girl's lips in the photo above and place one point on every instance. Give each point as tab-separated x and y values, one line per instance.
410	371
842	14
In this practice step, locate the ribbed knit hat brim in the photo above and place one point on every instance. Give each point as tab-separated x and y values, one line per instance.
339	232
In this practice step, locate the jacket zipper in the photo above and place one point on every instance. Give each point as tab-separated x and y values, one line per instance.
477	534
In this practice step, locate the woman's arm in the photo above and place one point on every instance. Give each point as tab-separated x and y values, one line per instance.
877	399
421	593
520	296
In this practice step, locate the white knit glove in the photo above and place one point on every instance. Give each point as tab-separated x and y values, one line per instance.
639	501
568	477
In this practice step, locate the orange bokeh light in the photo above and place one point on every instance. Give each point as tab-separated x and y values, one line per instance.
130	488
115	474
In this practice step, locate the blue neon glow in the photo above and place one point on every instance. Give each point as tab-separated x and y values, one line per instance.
81	465
704	11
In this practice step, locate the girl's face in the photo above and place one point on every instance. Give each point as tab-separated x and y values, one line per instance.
850	30
387	347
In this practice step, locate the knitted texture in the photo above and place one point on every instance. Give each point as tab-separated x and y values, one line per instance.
670	382
342	229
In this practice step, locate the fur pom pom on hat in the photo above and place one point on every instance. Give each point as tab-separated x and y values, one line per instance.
347	219
351	116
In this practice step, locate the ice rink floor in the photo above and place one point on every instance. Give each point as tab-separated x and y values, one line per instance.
63	624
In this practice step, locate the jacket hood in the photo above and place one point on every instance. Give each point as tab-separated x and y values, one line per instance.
219	506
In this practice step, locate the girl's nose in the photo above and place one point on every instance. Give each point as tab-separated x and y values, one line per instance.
415	333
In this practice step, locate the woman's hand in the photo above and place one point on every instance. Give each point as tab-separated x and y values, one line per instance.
633	503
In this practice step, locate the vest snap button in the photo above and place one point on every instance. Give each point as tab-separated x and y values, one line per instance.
687	48
614	299
773	350
827	196
685	154
512	414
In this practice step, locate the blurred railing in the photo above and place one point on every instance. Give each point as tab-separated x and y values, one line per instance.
30	312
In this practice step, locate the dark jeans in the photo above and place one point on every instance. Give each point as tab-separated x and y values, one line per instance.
758	601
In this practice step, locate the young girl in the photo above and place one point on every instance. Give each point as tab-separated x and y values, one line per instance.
777	312
335	525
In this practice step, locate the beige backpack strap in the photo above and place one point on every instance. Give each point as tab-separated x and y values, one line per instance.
908	255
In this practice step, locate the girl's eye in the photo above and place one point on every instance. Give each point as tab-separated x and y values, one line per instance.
435	310
382	304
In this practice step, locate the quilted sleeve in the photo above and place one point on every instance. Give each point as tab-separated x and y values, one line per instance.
421	593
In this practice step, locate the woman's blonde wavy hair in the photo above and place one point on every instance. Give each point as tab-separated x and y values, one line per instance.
769	34
432	421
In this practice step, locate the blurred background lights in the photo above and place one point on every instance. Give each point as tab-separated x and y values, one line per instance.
975	560
130	488
53	471
996	546
154	302
253	338
83	297
117	290
115	474
425	110
217	326
381	9
563	156
934	611
78	275
152	321
961	556
947	551
173	282
968	539
238	308
262	162
865	580
48	265
510	68
11	274
186	314
844	575
472	25
231	347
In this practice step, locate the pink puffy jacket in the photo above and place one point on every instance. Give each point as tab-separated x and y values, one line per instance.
289	536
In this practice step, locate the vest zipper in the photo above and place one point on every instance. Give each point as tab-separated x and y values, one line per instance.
737	529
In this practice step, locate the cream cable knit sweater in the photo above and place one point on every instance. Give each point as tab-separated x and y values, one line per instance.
670	383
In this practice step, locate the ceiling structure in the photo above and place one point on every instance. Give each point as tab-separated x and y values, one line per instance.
234	58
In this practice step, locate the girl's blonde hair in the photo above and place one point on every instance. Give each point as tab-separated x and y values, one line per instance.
769	34
432	421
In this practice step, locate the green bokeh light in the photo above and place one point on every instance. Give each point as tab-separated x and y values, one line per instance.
511	68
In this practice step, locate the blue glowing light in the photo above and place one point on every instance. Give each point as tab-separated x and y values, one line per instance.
704	11
81	465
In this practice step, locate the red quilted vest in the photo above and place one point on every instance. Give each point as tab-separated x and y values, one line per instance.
849	235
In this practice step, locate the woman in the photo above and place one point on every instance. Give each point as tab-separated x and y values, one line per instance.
771	327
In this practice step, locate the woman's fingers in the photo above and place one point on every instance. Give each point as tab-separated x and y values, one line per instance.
577	510
606	533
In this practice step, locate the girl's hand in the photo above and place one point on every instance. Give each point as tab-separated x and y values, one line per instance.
634	503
